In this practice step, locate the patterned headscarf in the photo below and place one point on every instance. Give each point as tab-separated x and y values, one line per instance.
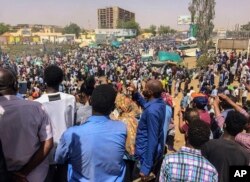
128	111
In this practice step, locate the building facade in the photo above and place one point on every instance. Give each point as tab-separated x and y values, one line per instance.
109	17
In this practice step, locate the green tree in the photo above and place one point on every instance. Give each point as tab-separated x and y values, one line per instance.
151	29
246	27
204	10
132	24
72	28
4	28
162	30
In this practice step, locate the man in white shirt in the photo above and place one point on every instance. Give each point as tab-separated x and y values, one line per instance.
61	110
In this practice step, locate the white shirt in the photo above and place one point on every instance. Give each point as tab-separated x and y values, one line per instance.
61	113
236	92
244	94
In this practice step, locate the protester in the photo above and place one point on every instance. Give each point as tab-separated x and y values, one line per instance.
25	129
185	118
96	148
230	105
61	110
84	109
85	68
150	133
128	112
225	152
188	164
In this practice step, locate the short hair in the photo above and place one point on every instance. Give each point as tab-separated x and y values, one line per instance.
88	86
9	79
53	76
235	122
191	114
156	87
198	133
103	99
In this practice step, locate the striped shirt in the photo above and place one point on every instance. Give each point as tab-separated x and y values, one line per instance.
187	165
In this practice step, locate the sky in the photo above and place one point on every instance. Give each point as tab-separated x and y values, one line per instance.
84	12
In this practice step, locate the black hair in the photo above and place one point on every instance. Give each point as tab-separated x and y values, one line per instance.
88	86
198	133
103	99
8	81
156	89
53	76
191	114
235	122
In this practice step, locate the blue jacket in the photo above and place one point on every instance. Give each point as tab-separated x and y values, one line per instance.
150	134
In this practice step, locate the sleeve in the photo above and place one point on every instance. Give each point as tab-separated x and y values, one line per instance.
220	120
62	150
139	99
45	130
244	112
153	134
215	177
164	171
244	140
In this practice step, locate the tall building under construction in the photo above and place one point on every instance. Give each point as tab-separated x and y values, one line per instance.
109	17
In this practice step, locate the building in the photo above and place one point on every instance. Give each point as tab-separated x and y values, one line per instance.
108	18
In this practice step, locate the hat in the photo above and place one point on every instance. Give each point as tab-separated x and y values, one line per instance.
194	95
200	101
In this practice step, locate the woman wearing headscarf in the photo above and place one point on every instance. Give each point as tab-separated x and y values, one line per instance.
127	111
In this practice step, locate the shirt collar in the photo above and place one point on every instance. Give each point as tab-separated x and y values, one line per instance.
189	150
98	118
158	100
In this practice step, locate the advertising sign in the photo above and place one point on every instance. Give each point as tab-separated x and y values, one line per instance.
185	20
117	32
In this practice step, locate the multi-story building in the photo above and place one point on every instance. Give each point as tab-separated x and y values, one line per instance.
109	17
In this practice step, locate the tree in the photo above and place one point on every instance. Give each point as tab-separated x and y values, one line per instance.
4	28
151	29
246	27
162	30
72	29
204	10
132	24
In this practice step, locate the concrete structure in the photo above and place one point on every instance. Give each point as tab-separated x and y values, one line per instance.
109	17
26	36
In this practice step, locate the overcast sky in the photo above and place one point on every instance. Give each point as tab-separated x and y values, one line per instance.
84	12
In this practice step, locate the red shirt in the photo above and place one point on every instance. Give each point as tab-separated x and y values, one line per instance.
204	116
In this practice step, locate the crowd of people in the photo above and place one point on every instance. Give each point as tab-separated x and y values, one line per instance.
104	114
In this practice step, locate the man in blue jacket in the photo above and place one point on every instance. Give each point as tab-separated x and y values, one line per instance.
150	134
